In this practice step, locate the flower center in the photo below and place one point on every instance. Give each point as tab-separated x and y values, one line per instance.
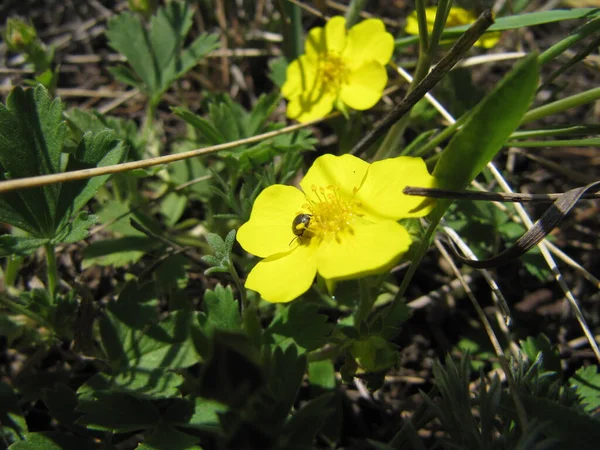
332	212
333	71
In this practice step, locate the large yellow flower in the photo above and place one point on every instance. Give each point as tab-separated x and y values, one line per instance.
456	17
344	219
340	69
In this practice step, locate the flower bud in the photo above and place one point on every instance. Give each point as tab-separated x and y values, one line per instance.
18	34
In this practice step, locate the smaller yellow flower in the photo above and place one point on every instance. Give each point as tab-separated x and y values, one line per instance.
456	17
339	69
342	224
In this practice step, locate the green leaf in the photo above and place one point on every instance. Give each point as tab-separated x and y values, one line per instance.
233	371
495	117
191	56
302	427
586	381
262	110
19	245
166	437
157	55
62	402
298	324
222	310
116	412
50	440
205	416
322	374
76	230
286	372
32	133
117	252
203	126
573	428
12	422
532	346
126	34
517	21
95	150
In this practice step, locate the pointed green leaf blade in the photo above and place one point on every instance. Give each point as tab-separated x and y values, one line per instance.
126	34
488	127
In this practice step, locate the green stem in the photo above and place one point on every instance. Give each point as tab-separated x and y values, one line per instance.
365	305
13	264
353	11
435	217
582	32
240	286
20	309
52	272
561	105
293	42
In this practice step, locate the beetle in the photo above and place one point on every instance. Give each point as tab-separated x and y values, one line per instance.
299	225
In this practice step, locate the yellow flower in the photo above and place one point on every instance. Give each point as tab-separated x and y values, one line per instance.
456	17
340	68
347	227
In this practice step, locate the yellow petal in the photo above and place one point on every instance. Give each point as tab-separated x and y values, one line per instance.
282	278
368	41
364	86
315	43
335	34
412	24
346	171
269	230
381	193
301	76
303	109
370	248
488	40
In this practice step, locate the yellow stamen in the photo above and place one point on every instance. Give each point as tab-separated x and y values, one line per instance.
332	212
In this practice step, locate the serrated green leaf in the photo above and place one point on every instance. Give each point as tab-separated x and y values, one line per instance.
222	310
191	56
298	324
495	117
157	55
32	133
166	437
541	344
205	416
19	245
168	28
203	126
229	241
62	402
50	440
126	34
95	150
217	244
117	252
232	372
262	110
573	428
587	383
322	374
116	412
77	230
12	422
285	376
302	427
127	76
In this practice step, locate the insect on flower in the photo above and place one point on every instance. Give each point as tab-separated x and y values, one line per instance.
345	217
300	225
